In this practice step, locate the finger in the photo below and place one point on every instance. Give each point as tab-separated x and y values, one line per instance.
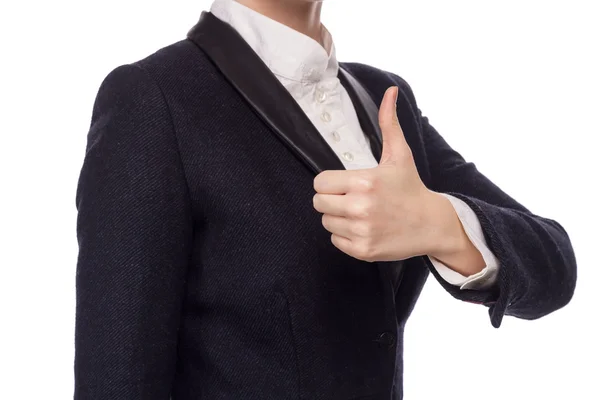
332	204
387	109
342	243
340	181
339	226
394	142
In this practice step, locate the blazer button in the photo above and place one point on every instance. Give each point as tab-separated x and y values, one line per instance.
386	340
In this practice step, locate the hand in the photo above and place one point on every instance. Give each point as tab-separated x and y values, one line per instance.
386	213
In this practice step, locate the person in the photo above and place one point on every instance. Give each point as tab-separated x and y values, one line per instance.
256	220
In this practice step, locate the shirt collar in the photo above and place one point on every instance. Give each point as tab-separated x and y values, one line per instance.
287	52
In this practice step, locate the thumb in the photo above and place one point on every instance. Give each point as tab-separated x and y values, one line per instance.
394	143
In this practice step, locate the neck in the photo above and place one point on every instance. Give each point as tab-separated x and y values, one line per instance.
303	16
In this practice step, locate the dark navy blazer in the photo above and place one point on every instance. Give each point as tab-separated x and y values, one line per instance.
204	271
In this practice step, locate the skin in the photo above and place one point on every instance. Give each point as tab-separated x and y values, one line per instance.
384	213
301	15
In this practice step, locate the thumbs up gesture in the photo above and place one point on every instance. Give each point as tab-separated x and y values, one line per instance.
386	213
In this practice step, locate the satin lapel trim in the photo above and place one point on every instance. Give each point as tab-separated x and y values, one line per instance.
366	110
275	106
368	115
260	88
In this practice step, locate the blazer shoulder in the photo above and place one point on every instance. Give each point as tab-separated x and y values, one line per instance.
377	81
174	61
131	94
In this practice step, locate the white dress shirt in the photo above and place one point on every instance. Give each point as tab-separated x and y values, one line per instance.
309	73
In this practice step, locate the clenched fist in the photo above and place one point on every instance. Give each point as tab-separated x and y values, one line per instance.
387	213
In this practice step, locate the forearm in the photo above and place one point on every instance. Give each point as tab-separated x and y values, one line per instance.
537	267
452	246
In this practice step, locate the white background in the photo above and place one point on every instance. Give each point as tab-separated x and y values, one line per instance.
514	86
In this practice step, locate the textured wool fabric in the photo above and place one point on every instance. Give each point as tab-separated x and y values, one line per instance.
309	71
204	271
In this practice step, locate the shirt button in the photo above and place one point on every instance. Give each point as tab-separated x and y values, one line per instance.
326	117
336	136
348	156
387	340
321	96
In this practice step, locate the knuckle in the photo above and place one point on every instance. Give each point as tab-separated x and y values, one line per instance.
359	210
367	206
363	251
365	182
362	229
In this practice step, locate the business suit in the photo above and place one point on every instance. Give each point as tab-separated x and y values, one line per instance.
205	272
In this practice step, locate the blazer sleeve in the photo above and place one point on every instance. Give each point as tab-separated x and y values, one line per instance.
134	231
537	266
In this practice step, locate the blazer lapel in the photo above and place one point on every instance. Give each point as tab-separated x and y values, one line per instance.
270	99
277	108
366	110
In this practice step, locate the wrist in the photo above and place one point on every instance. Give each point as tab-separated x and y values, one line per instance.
448	235
452	246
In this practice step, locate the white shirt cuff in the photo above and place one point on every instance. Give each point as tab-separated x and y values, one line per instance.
485	278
